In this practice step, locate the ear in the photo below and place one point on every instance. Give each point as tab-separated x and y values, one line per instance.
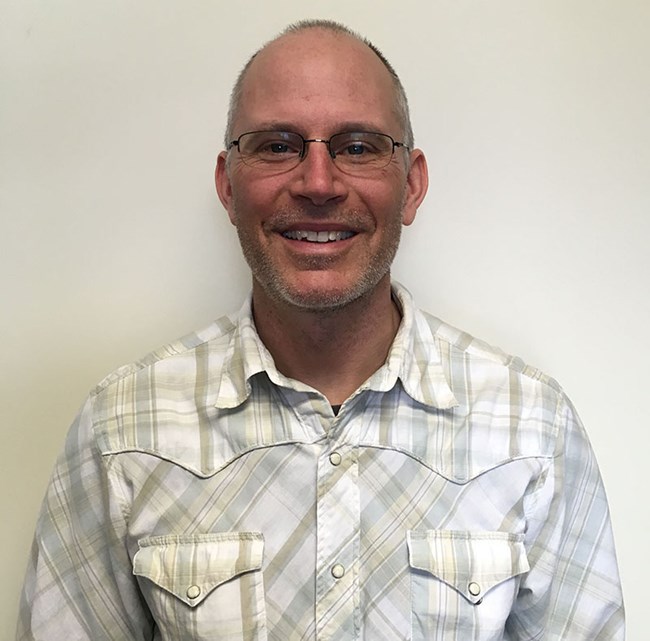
224	186
417	183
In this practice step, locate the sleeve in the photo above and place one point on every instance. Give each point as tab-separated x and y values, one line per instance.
79	583
572	590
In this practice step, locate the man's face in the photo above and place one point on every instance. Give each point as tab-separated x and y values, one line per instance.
318	84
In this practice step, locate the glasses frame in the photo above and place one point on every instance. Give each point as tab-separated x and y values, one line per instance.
326	141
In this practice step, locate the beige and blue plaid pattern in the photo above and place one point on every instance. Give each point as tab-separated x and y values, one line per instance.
203	495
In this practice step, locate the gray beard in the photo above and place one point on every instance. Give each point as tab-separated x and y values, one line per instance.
278	289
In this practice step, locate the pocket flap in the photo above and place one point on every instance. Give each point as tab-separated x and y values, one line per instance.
470	562
191	566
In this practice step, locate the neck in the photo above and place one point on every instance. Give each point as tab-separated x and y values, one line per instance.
333	351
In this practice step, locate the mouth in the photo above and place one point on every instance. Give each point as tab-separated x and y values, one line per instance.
318	236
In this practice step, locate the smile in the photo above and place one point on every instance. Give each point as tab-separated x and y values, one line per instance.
318	236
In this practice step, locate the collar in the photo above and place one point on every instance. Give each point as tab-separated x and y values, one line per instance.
414	359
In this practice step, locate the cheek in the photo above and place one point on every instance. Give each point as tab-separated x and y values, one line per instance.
388	207
255	198
385	192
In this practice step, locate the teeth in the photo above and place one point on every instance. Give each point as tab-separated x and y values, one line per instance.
318	236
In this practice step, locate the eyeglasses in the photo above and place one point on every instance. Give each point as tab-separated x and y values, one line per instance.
279	151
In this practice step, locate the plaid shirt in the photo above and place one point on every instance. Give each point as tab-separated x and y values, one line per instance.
203	495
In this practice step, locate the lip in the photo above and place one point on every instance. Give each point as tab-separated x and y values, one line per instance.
316	226
326	236
333	235
304	246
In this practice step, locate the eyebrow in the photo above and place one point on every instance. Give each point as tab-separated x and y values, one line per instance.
346	127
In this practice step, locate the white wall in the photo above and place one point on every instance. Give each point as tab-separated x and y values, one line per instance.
534	236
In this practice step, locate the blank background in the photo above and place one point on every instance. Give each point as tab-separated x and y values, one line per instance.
535	119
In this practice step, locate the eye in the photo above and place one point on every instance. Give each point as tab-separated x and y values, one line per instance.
270	146
275	148
352	147
357	147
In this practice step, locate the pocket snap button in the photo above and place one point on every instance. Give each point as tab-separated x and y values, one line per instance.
474	588
193	591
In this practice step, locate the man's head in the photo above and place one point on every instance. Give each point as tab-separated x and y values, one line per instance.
401	102
319	80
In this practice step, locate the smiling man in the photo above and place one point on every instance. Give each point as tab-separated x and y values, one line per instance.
319	182
330	463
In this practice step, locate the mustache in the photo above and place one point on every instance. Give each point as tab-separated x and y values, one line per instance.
352	218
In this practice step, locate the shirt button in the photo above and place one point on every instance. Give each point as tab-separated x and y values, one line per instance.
193	591
474	589
338	571
335	458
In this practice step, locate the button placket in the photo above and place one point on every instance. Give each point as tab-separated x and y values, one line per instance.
338	515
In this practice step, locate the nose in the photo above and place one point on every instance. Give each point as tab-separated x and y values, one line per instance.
317	178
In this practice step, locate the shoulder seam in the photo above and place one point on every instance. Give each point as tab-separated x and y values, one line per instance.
218	329
478	348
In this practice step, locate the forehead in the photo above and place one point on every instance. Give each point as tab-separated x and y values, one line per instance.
317	81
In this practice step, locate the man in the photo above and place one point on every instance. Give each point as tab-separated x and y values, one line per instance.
330	463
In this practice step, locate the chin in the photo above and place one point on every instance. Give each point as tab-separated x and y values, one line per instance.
320	297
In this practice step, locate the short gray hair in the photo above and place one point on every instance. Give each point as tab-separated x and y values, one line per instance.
401	102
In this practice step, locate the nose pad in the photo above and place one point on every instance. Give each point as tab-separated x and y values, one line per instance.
317	177
305	149
315	160
331	154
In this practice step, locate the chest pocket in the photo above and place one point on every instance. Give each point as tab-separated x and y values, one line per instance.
463	583
204	586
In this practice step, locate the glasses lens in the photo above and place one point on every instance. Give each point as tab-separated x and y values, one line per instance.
279	151
361	150
270	148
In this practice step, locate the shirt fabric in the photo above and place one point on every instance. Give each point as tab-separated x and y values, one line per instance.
201	494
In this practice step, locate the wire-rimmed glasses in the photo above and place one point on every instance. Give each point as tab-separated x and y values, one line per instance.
279	151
